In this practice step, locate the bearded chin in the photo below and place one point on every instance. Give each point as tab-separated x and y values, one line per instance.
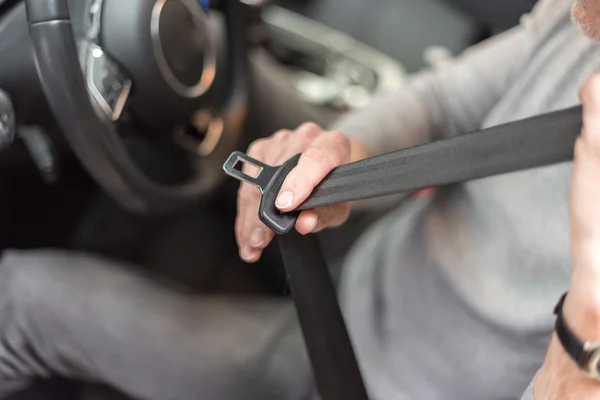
586	14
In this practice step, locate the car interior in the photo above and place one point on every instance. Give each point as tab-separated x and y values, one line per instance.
113	133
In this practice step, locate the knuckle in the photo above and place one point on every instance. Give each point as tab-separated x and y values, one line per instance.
338	137
317	155
297	182
247	193
309	126
340	144
281	134
309	129
256	147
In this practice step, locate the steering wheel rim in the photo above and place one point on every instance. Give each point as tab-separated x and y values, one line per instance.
95	140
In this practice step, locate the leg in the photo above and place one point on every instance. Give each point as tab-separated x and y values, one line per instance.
83	318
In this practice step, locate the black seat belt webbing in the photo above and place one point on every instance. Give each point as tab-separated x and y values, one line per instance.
335	367
533	142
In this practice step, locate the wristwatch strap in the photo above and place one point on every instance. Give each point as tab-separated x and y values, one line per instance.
572	345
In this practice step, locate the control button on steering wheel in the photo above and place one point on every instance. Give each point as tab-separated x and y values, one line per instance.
106	82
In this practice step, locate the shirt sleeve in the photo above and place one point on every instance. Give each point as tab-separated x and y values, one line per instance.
452	98
528	395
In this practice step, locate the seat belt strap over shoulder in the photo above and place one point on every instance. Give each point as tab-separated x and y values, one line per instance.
534	142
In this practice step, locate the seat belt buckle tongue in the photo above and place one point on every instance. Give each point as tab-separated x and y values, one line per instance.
269	181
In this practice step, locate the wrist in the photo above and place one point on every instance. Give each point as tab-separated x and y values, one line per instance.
582	312
582	305
561	379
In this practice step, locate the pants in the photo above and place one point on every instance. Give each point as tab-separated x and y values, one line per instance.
87	318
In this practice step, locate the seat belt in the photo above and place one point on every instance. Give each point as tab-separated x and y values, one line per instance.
534	142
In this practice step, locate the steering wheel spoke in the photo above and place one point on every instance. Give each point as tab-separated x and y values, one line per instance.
108	84
139	58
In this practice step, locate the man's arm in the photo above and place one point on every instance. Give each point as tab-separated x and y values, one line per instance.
451	99
559	377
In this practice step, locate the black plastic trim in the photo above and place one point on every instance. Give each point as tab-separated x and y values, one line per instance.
7	5
278	222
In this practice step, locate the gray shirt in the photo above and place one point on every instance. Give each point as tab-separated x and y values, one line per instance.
462	285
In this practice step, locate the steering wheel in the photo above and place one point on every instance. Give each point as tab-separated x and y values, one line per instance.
159	59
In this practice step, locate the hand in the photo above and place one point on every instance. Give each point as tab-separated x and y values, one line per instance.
560	378
583	302
321	151
585	191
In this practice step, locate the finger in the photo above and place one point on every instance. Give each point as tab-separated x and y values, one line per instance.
585	195
256	235
313	221
247	201
260	237
276	147
249	253
307	222
257	150
253	235
324	154
239	225
248	195
299	140
332	216
280	136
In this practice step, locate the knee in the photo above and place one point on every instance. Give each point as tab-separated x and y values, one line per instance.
38	290
11	278
43	278
27	277
19	279
29	282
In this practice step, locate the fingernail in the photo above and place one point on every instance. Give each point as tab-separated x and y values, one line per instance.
313	224
285	200
258	237
247	254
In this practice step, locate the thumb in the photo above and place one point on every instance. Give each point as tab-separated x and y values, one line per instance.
585	191
590	97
